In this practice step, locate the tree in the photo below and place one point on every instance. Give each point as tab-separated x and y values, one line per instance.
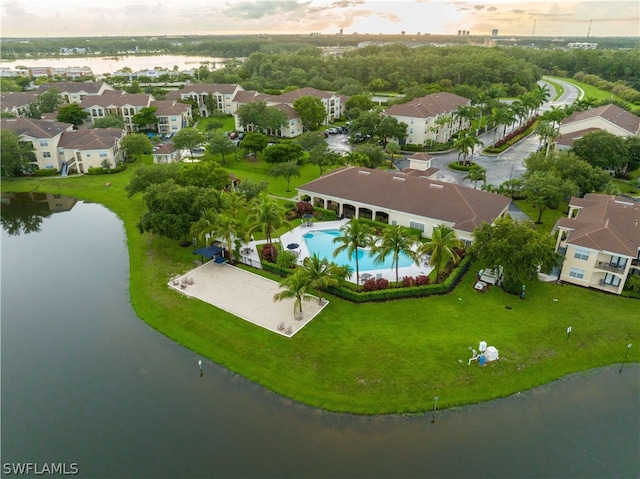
356	158
320	274
219	143
267	215
135	145
392	148
466	146
72	113
603	149
285	152
203	174
255	142
310	140
49	101
287	170
261	116
545	190
475	174
367	123
373	153
517	247
633	153
146	117
294	286
15	155
501	115
146	175
357	104
172	209
441	248
311	111
390	127
395	242
323	157
188	138
354	235
547	132
109	121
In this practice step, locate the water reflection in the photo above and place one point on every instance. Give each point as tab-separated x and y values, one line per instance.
23	213
85	381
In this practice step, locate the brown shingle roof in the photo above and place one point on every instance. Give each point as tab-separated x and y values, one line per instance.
605	223
15	99
246	96
568	138
293	95
222	88
463	207
428	106
169	107
90	87
117	99
94	139
612	113
34	128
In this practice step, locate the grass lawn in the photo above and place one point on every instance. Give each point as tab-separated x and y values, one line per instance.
590	90
557	85
391	357
549	216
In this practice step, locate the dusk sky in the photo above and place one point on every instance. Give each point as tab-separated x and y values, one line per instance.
66	18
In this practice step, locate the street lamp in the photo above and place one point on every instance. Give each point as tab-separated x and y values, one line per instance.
625	357
435	406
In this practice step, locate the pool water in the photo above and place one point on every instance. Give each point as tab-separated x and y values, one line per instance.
321	242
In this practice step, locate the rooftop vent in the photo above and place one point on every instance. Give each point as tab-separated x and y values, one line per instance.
364	172
436	186
398	179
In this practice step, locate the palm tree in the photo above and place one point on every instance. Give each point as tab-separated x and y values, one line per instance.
501	115
355	235
320	273
267	216
465	146
475	174
295	286
395	241
205	225
520	111
541	95
441	248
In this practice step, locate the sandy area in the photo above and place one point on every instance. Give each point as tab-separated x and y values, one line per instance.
247	296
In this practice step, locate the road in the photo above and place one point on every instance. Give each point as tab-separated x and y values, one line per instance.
509	164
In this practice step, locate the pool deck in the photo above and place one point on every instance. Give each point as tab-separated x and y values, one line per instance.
297	236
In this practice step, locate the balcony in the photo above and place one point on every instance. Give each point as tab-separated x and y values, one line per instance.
562	250
608	267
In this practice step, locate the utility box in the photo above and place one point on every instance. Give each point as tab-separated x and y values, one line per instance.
491	354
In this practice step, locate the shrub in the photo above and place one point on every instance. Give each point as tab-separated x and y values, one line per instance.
304	208
270	253
46	172
325	215
287	259
382	283
422	280
408	281
369	285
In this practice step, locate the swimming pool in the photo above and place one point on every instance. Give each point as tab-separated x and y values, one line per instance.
321	242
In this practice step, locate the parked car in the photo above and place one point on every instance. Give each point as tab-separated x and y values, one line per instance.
233	135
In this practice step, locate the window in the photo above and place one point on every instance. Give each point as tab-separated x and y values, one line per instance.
103	154
611	280
576	273
417	226
581	254
44	143
46	154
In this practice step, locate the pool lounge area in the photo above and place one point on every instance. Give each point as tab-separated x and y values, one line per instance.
368	269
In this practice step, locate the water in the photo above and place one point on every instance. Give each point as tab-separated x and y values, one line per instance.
85	381
321	242
104	65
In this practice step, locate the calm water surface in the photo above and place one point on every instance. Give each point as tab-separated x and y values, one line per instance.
85	381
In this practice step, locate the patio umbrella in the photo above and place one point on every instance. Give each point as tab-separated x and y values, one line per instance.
293	246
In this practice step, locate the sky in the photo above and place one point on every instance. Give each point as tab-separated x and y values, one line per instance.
73	18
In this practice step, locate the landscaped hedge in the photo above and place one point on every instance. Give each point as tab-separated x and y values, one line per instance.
45	172
350	294
104	171
512	138
458	167
324	214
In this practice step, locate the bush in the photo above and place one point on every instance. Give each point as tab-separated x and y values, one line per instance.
46	172
270	253
458	167
104	171
304	208
325	215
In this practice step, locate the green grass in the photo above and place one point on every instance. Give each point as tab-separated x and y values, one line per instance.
590	90
549	216
557	86
391	357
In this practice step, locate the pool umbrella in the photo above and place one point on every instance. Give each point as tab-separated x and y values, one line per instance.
293	246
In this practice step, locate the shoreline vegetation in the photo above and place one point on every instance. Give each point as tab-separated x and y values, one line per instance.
377	358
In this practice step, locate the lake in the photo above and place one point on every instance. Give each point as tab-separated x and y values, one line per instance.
109	65
85	382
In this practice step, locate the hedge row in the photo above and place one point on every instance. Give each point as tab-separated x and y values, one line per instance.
45	172
512	139
104	171
352	295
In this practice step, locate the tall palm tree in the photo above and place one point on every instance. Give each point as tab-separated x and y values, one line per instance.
441	248
475	174
267	216
395	241
501	115
465	146
205	225
355	235
295	286
320	273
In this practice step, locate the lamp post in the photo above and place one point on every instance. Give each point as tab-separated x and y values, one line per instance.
435	406
568	332
200	366
625	357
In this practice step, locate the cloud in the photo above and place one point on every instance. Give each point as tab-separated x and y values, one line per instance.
479	7
263	8
492	9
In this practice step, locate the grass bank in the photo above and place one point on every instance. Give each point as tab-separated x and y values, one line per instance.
374	358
